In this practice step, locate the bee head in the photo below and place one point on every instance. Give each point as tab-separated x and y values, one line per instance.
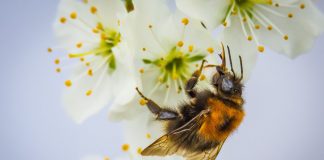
225	81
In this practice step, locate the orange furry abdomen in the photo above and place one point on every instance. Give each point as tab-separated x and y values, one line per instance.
219	113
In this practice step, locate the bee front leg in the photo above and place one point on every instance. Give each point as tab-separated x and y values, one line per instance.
162	114
193	81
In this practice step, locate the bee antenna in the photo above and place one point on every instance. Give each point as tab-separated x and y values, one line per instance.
241	68
231	63
223	57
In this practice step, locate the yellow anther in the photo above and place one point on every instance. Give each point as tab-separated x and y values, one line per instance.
225	24
270	28
142	102
290	15
73	15
103	36
148	136
87	64
144	49
93	10
210	50
68	83
81	59
106	158
185	21
49	50
58	70
141	70
62	20
191	48
150	26
261	49
257	26
202	77
90	72
95	30
286	37
244	19
89	93
180	44
249	38
85	1
125	147
100	26
57	61
139	150
302	6
270	2
79	45
277	5
70	55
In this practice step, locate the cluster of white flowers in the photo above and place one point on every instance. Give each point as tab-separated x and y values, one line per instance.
114	46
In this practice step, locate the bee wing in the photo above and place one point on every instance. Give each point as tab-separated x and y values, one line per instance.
164	146
161	147
207	155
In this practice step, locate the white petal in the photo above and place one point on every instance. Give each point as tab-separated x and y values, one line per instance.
108	11
302	30
211	12
239	46
80	106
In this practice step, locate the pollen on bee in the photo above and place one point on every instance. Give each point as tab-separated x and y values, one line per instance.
261	49
180	44
73	15
185	21
191	48
125	147
49	50
62	20
142	102
210	50
57	61
148	136
89	93
68	83
139	150
79	45
302	6
286	37
93	10
290	15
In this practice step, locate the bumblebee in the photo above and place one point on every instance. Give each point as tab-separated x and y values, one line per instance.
199	129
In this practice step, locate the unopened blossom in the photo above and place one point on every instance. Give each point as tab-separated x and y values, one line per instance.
89	35
285	26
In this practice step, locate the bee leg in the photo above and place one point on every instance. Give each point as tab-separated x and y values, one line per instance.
193	81
162	114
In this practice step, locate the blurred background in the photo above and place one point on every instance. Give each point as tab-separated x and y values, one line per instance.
285	100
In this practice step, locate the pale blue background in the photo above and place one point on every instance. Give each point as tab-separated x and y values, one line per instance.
285	100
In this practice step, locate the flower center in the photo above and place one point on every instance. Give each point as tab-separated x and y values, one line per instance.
248	4
175	65
110	38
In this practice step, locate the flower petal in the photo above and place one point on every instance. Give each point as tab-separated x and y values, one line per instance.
211	12
239	46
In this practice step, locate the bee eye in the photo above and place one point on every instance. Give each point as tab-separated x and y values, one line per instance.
227	85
